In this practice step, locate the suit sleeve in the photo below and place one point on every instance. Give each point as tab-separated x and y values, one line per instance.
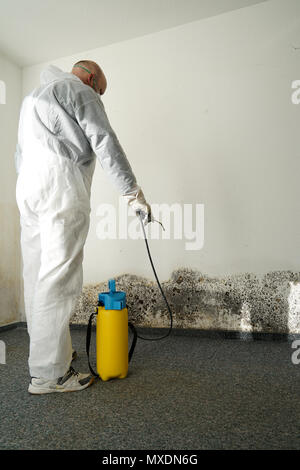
92	118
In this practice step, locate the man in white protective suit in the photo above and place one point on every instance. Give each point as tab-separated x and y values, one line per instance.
63	128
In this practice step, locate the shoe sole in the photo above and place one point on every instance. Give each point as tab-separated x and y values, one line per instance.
42	391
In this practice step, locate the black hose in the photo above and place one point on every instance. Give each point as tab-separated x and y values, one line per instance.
158	283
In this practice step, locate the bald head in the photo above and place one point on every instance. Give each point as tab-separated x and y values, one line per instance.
91	74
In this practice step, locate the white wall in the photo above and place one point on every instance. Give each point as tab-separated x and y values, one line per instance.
10	265
204	114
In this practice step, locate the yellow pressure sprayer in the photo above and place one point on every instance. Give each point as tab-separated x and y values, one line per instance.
112	330
111	335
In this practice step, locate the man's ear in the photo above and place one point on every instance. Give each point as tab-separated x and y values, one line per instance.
93	80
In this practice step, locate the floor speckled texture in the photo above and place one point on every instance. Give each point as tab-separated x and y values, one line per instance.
185	392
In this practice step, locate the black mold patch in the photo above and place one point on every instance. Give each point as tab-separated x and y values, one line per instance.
242	302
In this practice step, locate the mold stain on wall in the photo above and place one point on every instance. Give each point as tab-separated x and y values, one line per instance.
9	265
242	302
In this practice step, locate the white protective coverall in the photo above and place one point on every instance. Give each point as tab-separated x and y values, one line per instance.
63	128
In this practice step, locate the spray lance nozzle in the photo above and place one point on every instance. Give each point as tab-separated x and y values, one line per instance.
150	218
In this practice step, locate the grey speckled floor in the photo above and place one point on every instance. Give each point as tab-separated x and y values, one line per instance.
185	392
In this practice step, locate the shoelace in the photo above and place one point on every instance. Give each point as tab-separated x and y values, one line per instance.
73	372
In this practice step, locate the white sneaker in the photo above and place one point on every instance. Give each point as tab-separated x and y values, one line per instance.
70	382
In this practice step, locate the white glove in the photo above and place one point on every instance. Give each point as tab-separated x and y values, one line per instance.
137	201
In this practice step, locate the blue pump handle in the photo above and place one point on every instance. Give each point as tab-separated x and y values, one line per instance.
112	285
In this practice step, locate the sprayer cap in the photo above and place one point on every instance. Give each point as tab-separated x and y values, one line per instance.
113	300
